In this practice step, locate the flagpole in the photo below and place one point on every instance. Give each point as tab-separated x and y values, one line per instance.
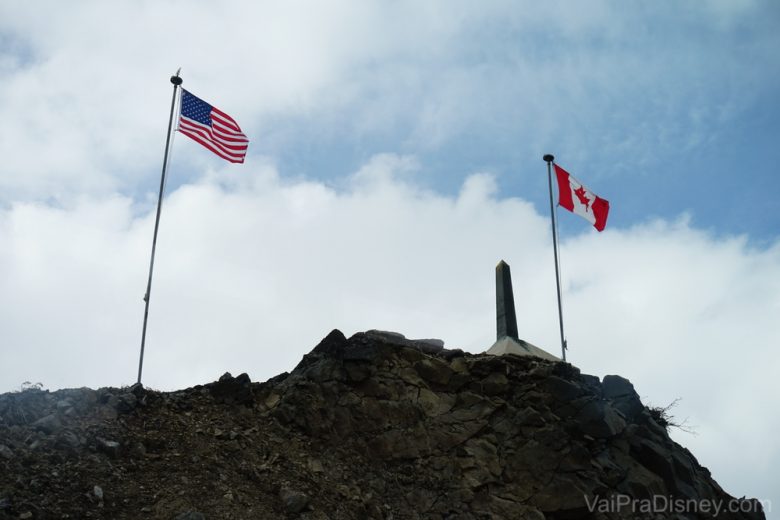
176	80
548	158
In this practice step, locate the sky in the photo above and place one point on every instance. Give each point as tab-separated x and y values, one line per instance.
395	157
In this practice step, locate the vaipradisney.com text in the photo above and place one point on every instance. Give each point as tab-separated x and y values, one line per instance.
659	504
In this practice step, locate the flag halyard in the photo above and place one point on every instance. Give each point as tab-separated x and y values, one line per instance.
578	199
212	128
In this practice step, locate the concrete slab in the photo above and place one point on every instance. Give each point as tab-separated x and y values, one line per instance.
518	347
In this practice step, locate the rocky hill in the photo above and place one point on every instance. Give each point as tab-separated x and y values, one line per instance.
371	427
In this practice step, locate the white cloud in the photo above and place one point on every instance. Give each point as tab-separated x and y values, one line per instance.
253	270
88	99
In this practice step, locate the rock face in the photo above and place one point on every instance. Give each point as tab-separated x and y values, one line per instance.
375	426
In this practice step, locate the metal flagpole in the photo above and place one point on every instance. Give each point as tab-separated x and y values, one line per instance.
176	80
549	160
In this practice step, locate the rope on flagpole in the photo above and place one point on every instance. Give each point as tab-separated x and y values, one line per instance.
549	158
177	81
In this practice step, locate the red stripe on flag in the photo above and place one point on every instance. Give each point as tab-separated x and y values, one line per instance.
210	145
600	211
202	135
228	136
230	141
229	121
192	128
564	188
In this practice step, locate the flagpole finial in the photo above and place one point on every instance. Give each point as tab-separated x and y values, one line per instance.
176	80
549	158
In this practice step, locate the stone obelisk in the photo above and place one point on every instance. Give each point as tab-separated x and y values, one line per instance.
506	320
507	340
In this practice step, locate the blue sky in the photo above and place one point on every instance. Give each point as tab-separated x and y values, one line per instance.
670	113
395	158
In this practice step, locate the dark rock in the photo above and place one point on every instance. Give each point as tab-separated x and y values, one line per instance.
69	439
232	390
124	403
529	417
428	346
294	501
137	390
363	351
598	419
388	336
642	483
623	395
450	354
656	459
5	452
434	370
356	372
326	370
278	379
684	467
331	345
495	383
561	390
64	405
190	515
616	386
48	424
108	412
593	384
435	403
565	371
612	474
110	448
454	434
562	497
577	458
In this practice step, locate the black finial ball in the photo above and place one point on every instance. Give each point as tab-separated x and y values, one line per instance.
176	80
549	158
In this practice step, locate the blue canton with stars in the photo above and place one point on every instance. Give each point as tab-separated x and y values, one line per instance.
195	108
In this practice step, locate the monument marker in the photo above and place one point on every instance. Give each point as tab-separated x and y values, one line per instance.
507	340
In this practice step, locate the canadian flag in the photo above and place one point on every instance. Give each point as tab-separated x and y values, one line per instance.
578	199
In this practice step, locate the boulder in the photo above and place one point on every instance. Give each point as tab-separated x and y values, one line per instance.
232	390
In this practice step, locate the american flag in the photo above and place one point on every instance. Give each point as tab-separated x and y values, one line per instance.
212	128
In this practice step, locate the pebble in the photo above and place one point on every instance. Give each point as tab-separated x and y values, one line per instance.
294	501
110	448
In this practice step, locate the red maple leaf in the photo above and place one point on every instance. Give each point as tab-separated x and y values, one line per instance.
584	200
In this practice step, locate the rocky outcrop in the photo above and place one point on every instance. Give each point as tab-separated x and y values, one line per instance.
374	426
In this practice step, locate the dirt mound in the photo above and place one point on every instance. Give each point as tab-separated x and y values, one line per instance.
375	426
